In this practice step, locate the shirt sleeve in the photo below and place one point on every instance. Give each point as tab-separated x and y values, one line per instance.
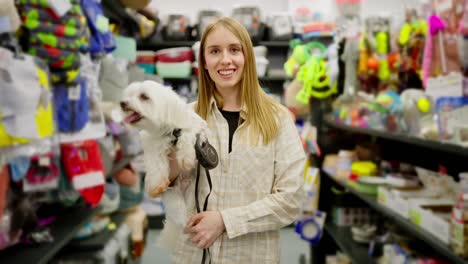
281	207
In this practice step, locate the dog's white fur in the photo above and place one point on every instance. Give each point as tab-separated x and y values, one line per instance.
163	111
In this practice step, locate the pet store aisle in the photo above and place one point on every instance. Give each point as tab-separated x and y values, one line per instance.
292	247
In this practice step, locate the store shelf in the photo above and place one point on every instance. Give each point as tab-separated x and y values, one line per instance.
400	137
264	78
182	79
155	45
148	45
343	238
274	78
274	44
405	224
63	230
98	241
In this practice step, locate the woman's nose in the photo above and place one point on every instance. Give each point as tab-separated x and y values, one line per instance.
226	59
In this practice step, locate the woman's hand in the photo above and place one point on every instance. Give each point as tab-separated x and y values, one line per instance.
205	228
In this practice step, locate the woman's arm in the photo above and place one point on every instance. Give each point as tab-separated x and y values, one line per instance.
174	167
281	207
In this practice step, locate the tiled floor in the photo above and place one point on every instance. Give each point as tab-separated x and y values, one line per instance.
292	247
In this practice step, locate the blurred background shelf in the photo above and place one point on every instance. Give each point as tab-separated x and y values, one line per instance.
98	241
400	137
63	230
343	238
404	223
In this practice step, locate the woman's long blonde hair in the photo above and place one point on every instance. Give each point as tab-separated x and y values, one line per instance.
262	111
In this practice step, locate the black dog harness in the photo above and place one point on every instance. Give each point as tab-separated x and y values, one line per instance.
208	159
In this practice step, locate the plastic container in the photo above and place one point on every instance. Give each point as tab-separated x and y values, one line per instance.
281	26
146	56
195	49
174	70
180	54
148	68
195	68
260	51
262	65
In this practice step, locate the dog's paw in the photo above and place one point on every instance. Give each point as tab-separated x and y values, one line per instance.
159	189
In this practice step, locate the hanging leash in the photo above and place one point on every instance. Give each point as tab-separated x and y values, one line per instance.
208	159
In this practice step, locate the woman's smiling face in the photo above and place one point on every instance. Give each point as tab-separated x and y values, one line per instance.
224	58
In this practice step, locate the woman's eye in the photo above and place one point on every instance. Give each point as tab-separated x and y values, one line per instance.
235	50
214	51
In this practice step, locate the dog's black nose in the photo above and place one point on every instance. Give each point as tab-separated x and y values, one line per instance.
123	105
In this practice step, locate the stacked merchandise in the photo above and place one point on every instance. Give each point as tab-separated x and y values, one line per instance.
459	220
424	197
58	140
174	62
412	82
261	60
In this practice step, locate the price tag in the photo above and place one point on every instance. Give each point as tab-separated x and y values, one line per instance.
458	118
60	7
445	86
44	161
5	25
74	93
102	23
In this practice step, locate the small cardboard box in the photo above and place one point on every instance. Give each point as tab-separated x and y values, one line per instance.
393	201
432	215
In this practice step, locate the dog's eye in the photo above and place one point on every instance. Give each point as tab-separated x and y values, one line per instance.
144	97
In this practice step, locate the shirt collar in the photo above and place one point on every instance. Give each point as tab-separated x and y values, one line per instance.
214	105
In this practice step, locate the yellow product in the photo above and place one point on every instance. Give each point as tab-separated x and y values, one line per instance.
43	117
44	114
364	168
405	34
363	56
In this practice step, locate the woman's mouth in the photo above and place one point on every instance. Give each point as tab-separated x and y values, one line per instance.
226	73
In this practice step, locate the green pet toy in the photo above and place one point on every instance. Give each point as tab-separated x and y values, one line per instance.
313	76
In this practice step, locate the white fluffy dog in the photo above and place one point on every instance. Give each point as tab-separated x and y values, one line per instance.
158	111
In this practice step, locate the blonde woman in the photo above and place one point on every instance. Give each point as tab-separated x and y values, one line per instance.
257	183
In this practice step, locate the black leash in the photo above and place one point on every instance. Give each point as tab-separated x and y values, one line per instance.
206	252
208	159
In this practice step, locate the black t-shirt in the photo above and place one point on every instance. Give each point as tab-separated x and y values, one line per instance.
233	121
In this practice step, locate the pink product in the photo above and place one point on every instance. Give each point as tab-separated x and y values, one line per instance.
175	55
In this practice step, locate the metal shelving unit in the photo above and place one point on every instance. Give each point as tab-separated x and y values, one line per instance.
343	238
404	223
63	230
402	138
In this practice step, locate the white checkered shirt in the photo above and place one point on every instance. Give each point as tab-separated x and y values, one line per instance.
256	189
